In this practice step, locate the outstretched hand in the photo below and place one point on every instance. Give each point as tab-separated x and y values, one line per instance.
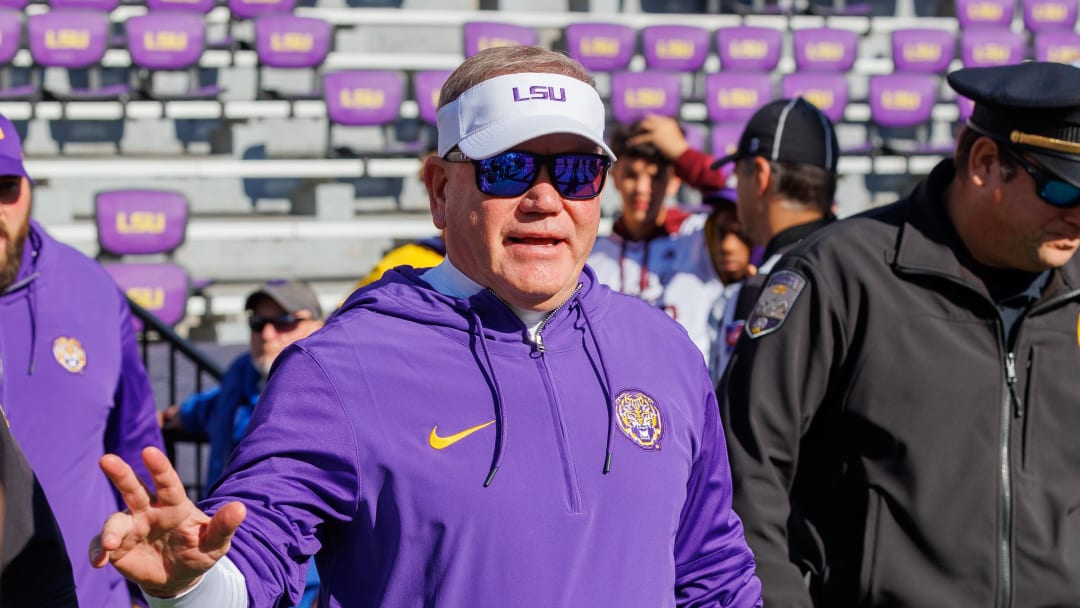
162	542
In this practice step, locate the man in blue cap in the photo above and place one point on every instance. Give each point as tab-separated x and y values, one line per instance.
901	412
72	383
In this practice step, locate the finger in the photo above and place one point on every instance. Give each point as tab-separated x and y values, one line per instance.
116	528
135	495
98	556
170	489
223	525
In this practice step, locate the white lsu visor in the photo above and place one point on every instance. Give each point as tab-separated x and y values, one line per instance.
502	112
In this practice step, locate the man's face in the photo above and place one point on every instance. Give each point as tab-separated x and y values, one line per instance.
730	254
1029	233
267	343
644	186
528	249
14	225
749	202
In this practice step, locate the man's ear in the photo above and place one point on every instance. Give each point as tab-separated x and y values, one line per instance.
762	175
435	180
983	164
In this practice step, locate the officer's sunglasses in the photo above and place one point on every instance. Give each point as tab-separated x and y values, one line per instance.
576	176
1051	188
281	323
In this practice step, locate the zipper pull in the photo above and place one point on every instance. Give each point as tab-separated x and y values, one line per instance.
539	342
1010	378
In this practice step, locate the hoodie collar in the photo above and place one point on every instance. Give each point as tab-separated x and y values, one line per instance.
28	266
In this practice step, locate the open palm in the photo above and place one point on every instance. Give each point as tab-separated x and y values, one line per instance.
163	542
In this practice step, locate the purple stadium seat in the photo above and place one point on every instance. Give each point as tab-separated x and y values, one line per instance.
696	135
829	92
1045	15
824	49
1062	46
749	48
250	9
636	94
734	97
184	6
74	39
601	47
682	48
160	288
923	50
480	35
140	222
169	41
985	13
725	138
366	98
986	46
427	85
11	28
904	103
291	42
93	5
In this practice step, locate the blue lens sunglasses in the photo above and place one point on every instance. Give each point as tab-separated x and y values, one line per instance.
1051	188
576	176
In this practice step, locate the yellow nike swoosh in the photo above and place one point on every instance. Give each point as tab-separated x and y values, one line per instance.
440	443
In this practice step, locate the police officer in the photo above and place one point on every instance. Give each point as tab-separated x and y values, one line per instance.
902	416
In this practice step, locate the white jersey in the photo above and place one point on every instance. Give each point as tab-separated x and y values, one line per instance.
673	272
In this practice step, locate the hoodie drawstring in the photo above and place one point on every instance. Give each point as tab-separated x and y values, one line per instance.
608	397
500	416
31	301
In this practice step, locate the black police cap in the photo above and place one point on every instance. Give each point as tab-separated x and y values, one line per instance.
1034	106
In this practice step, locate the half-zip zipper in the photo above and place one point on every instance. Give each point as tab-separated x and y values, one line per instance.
538	340
575	502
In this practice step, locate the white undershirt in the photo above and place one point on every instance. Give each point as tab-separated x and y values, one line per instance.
223	586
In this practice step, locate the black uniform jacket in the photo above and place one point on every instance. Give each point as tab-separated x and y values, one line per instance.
884	436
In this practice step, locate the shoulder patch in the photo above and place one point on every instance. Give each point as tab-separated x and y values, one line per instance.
773	305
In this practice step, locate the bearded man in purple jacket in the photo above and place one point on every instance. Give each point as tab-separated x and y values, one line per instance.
71	380
500	430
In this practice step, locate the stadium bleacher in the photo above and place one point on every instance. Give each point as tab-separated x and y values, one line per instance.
225	103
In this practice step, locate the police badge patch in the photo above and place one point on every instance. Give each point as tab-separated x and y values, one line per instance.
639	418
69	354
777	297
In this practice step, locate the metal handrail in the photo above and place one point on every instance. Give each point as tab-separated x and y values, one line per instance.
203	366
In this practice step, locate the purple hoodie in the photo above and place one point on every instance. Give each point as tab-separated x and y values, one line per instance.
374	439
73	387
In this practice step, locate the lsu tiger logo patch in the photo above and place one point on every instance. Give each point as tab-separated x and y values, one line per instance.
639	418
69	354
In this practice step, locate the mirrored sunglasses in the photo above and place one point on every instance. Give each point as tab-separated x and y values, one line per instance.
1051	188
281	323
576	176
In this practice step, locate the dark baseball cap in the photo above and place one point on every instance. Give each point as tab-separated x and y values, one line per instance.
1034	106
293	296
788	130
11	152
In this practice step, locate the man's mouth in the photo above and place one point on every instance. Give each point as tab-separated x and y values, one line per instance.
534	240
